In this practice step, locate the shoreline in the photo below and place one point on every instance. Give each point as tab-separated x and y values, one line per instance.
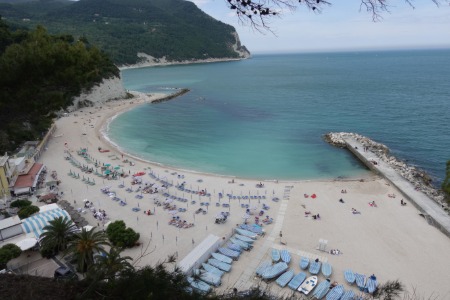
173	63
371	234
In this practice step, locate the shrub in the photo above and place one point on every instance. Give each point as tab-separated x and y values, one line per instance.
8	252
121	236
20	203
27	211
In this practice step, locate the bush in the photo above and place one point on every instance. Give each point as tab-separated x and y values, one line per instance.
8	252
27	211
20	203
121	236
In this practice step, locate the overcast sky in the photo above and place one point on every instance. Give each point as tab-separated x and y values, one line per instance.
343	26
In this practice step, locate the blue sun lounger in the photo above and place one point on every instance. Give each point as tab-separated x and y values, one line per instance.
297	281
322	289
285	278
314	267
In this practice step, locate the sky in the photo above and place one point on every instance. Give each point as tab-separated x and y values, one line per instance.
343	27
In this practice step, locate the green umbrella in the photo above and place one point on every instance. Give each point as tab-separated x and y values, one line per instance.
116	168
107	165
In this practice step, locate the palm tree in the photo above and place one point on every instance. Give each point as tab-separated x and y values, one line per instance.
109	265
85	245
57	234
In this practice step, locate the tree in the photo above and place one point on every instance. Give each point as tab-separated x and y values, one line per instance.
256	13
57	234
8	252
85	245
110	265
120	235
20	203
27	211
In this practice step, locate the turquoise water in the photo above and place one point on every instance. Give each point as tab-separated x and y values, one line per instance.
264	117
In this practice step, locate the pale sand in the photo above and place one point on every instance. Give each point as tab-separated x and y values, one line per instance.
391	241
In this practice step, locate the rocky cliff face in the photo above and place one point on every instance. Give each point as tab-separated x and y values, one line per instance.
239	48
108	89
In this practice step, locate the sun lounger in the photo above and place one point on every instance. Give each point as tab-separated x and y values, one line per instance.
304	262
326	270
246	233
213	270
297	281
349	276
222	258
276	255
285	256
262	267
336	293
275	271
308	285
314	267
322	289
218	264
348	295
285	278
360	281
228	252
244	238
371	284
199	285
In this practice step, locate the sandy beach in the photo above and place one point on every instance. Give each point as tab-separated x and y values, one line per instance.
389	240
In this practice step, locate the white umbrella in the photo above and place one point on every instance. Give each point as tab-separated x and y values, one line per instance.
26	244
173	212
245	216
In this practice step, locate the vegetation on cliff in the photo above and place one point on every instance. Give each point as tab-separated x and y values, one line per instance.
41	73
174	29
446	183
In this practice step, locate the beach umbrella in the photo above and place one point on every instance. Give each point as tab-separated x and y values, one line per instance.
107	165
173	212
116	168
246	216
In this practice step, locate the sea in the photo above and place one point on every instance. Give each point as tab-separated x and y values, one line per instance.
265	117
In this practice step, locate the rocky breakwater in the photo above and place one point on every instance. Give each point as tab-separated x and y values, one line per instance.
419	178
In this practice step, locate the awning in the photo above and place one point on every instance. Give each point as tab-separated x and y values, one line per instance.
36	223
26	244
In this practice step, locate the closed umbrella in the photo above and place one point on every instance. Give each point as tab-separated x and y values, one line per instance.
26	244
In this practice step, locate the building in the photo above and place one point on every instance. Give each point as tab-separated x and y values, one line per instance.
5	176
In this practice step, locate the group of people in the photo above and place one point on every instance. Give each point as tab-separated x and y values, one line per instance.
100	214
177	222
335	251
343	191
354	211
372	204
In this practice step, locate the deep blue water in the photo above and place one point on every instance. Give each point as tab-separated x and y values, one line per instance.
265	117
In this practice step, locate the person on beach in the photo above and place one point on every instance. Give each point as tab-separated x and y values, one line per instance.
341	200
403	203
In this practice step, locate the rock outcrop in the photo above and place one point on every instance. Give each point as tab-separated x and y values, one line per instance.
108	89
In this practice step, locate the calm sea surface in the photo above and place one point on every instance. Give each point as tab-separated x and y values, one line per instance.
264	117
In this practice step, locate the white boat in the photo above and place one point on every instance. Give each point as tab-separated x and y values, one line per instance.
308	285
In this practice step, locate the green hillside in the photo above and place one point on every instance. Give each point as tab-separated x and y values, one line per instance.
176	29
